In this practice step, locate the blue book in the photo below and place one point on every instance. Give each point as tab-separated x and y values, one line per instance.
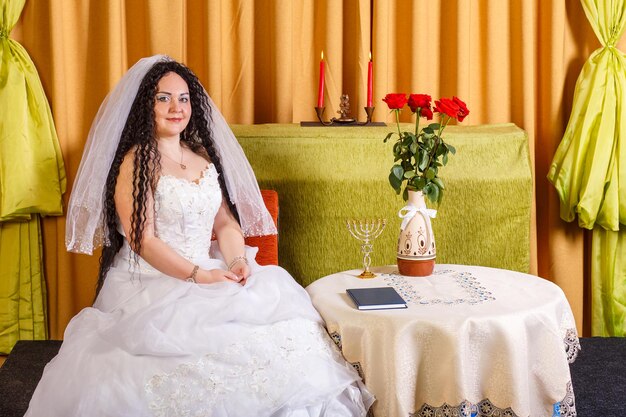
378	298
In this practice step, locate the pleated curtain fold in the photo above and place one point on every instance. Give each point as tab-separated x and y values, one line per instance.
32	181
589	167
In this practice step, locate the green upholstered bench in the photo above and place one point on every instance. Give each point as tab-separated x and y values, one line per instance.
324	176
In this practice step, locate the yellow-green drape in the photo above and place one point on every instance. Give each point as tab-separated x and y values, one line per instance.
32	179
589	167
22	286
511	61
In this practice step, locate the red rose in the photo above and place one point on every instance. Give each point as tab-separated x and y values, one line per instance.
463	111
421	101
447	106
395	100
427	113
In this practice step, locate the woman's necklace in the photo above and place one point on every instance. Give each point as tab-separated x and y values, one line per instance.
183	166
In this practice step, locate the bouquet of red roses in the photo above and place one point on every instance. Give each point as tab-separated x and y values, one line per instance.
419	154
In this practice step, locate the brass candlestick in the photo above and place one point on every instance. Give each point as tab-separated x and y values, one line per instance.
366	231
320	112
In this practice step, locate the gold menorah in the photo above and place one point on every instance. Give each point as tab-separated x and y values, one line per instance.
366	231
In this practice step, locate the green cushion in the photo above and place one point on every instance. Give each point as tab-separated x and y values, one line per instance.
326	175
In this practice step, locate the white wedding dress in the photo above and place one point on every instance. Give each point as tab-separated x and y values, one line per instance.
153	345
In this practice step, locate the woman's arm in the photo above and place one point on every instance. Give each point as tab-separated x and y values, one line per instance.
156	252
231	241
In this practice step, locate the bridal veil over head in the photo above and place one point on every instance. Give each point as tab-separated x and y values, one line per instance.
85	229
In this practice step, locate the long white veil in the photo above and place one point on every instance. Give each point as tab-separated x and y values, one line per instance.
85	229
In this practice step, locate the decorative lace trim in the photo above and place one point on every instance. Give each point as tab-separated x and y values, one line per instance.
336	337
572	345
476	292
359	369
465	409
485	408
567	407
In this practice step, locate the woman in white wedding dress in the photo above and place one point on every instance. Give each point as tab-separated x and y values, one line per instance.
181	327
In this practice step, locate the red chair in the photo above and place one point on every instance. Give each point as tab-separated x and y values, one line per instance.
268	245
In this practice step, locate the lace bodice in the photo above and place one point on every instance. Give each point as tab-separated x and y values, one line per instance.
185	211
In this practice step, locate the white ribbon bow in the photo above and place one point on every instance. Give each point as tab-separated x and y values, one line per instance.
409	211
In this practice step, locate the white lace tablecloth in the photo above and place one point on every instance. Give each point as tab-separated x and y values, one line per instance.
474	341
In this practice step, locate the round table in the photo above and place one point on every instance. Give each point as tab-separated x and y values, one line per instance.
473	341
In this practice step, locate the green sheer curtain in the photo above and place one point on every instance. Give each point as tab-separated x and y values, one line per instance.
589	167
32	181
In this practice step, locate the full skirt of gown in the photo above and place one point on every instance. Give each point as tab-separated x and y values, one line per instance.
153	345
157	346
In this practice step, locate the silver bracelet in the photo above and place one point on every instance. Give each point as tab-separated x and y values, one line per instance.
192	277
237	259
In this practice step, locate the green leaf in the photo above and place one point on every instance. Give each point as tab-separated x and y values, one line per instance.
445	159
405	194
419	182
437	191
409	174
397	147
430	173
423	161
434	195
439	183
433	126
398	172
428	130
427	189
395	182
389	135
431	191
413	148
451	148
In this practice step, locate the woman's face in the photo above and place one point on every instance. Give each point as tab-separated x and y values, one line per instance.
172	106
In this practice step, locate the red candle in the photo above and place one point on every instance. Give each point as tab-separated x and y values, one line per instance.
320	92
370	102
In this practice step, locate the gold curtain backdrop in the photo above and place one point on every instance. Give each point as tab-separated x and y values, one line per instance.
511	61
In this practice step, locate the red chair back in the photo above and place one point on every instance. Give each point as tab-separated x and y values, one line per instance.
268	245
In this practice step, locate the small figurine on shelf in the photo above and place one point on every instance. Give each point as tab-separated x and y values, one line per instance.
344	110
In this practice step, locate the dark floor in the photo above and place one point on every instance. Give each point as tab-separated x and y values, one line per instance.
598	376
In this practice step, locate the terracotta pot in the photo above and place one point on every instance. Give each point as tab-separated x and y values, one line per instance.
416	243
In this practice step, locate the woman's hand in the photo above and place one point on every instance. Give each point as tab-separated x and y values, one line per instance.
242	270
217	275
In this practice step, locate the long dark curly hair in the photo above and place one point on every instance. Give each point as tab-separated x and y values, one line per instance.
139	135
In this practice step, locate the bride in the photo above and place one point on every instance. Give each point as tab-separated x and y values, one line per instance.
181	326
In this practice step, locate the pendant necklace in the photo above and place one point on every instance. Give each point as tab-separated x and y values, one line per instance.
183	166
